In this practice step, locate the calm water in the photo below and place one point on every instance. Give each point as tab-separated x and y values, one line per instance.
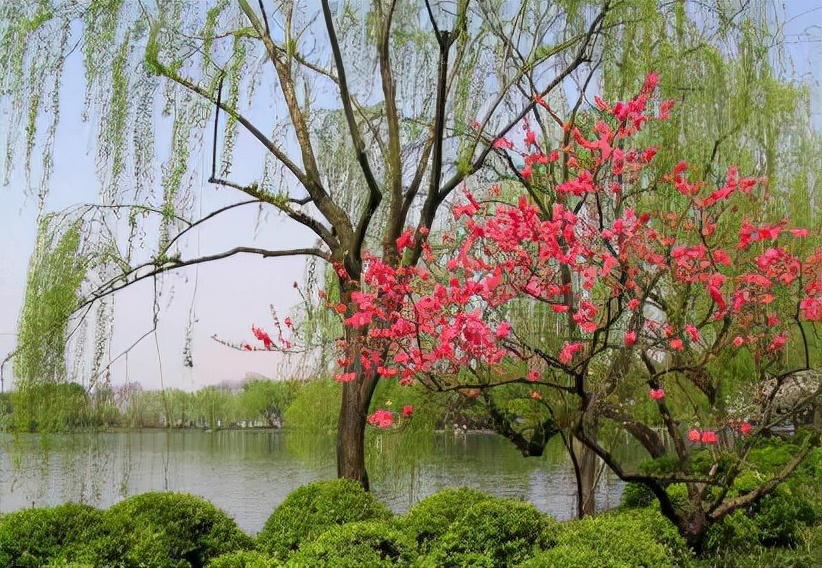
248	473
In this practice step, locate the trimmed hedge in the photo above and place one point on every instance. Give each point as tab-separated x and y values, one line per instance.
622	540
163	530
312	509
363	544
244	559
495	532
429	519
33	537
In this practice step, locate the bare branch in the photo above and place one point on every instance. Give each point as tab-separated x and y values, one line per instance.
579	59
374	193
126	280
335	215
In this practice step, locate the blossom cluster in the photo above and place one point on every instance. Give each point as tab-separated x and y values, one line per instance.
600	255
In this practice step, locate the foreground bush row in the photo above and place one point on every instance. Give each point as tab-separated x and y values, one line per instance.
336	524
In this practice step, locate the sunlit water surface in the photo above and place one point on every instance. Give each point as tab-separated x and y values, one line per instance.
248	473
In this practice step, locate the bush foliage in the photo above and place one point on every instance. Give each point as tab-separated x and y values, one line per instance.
495	532
336	524
431	517
33	537
244	559
166	530
624	540
364	544
310	510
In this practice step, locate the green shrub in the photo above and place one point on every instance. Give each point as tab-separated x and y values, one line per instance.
244	559
764	557
363	544
628	539
778	519
163	530
429	519
312	509
495	532
636	495
34	537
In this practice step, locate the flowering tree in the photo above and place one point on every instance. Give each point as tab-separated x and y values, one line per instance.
660	286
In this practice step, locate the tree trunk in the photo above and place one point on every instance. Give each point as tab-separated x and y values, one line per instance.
351	434
356	400
587	484
694	528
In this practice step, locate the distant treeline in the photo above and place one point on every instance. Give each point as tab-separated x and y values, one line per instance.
68	406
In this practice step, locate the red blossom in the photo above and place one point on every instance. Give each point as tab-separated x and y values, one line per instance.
345	377
694	435
569	350
262	336
407	411
657	394
709	437
381	418
405	240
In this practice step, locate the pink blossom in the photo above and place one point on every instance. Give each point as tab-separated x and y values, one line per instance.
777	343
677	344
262	336
532	376
503	330
407	411
345	377
739	341
709	437
630	338
657	394
569	350
381	418
745	428
694	435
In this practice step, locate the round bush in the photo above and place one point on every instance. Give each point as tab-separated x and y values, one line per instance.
624	540
363	544
495	532
312	509
164	529
429	519
244	559
34	537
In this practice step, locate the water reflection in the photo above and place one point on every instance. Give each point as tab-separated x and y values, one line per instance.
248	473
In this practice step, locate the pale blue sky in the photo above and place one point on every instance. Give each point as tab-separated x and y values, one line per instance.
235	293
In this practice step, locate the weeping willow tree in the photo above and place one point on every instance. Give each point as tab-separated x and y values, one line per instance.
367	117
56	270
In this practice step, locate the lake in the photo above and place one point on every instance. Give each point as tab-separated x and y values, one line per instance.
247	473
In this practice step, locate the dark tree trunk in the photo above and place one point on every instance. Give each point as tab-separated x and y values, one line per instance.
587	481
585	464
351	434
695	527
356	400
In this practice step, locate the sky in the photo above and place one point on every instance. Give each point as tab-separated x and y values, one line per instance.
227	297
